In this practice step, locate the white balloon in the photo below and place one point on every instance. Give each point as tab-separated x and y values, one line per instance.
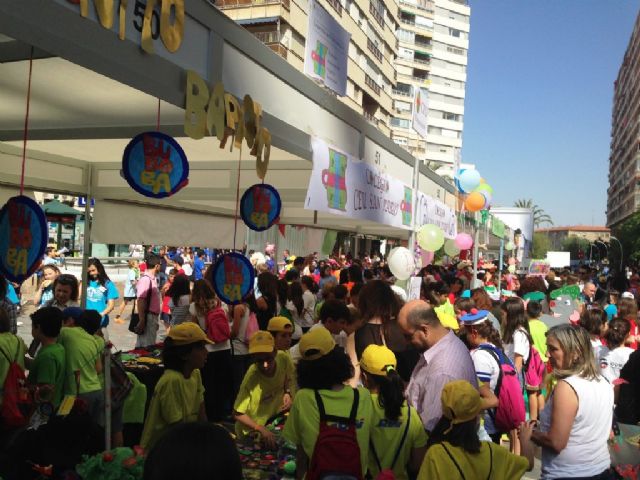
401	263
257	258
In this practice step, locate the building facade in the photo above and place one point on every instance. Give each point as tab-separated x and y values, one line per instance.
558	235
623	194
396	46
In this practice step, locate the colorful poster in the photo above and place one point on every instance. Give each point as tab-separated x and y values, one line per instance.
327	49
539	267
433	211
23	238
260	207
155	165
233	278
420	111
343	185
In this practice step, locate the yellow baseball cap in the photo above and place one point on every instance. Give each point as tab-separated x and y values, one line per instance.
261	342
187	333
316	343
378	360
280	324
461	402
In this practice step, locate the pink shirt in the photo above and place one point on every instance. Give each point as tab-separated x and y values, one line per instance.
142	289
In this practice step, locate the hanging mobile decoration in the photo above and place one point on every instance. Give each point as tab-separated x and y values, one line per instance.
260	207
233	278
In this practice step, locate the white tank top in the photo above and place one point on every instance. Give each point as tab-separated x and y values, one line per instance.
586	453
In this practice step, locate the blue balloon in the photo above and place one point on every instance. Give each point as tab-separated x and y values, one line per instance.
469	180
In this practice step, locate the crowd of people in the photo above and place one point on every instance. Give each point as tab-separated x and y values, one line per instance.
464	382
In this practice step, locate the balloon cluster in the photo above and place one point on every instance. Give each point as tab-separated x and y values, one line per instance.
479	193
430	239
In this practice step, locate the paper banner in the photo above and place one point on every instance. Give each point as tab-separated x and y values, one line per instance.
539	267
155	165
260	207
233	278
23	238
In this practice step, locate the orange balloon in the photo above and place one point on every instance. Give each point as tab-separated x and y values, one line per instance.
474	202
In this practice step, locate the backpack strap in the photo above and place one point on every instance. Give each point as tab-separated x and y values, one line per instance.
490	461
404	437
453	460
323	414
354	407
375	454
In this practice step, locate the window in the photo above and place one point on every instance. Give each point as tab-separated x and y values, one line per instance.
451	116
455	50
400	141
405	36
454	32
400	122
450	133
402	106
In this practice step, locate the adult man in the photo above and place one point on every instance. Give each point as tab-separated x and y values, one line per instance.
444	359
198	265
589	294
49	258
149	304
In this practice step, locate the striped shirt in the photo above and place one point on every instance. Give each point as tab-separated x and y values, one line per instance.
446	361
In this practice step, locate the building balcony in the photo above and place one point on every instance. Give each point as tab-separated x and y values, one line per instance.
336	6
371	118
424	6
379	16
370	82
227	4
402	93
408	21
374	49
272	40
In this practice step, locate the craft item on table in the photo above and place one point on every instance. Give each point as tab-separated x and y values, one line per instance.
233	278
23	238
152	361
260	207
155	165
122	463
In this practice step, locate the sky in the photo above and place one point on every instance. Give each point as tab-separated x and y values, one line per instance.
539	97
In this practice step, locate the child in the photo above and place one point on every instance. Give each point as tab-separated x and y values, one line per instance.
267	388
538	330
179	395
615	355
47	370
281	328
594	321
129	288
398	439
12	347
166	310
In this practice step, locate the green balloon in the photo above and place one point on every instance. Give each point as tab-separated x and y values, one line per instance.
485	187
430	237
450	248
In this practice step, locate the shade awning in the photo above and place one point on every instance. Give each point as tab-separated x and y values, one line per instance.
56	207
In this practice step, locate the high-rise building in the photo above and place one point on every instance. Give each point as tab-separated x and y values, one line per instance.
396	46
282	25
433	40
623	194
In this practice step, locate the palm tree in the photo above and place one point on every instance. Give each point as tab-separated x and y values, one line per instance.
539	216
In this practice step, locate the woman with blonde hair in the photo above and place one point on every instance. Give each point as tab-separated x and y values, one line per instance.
576	421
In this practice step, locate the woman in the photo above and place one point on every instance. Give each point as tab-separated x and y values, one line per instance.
322	371
178	396
326	276
129	288
576	421
628	309
398	439
267	302
166	311
101	292
309	292
297	306
45	292
379	307
217	374
454	450
179	299
455	290
239	349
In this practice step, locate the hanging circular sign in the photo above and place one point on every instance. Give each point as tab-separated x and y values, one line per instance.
155	165
260	207
233	278
23	238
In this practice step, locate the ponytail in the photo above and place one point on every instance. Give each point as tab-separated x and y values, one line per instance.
390	393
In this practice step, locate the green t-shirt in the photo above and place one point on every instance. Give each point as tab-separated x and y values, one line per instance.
386	436
175	399
82	354
10	344
303	424
48	369
538	331
260	396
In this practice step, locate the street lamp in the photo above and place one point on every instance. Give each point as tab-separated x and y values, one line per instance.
606	248
621	252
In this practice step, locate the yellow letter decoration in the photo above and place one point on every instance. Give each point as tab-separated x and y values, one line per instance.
215	112
122	17
105	12
172	35
250	121
262	151
147	39
196	103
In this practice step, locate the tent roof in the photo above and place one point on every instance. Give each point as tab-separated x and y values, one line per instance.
56	207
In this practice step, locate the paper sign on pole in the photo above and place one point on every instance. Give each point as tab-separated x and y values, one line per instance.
414	288
419	111
327	49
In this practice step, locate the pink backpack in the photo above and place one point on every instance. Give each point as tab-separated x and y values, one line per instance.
510	412
252	327
534	369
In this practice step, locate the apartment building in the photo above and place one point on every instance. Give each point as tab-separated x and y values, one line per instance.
433	40
623	194
282	26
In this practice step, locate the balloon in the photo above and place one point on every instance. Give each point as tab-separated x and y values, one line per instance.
401	263
511	268
430	237
512	261
426	257
464	241
510	246
484	187
474	202
450	248
469	180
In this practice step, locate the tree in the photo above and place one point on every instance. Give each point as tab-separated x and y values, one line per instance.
539	216
629	235
541	245
578	247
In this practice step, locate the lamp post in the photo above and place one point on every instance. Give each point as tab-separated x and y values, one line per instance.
621	252
606	248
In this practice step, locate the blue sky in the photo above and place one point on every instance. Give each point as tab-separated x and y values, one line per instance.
539	95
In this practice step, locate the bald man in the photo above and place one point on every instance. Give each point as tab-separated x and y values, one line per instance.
443	358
